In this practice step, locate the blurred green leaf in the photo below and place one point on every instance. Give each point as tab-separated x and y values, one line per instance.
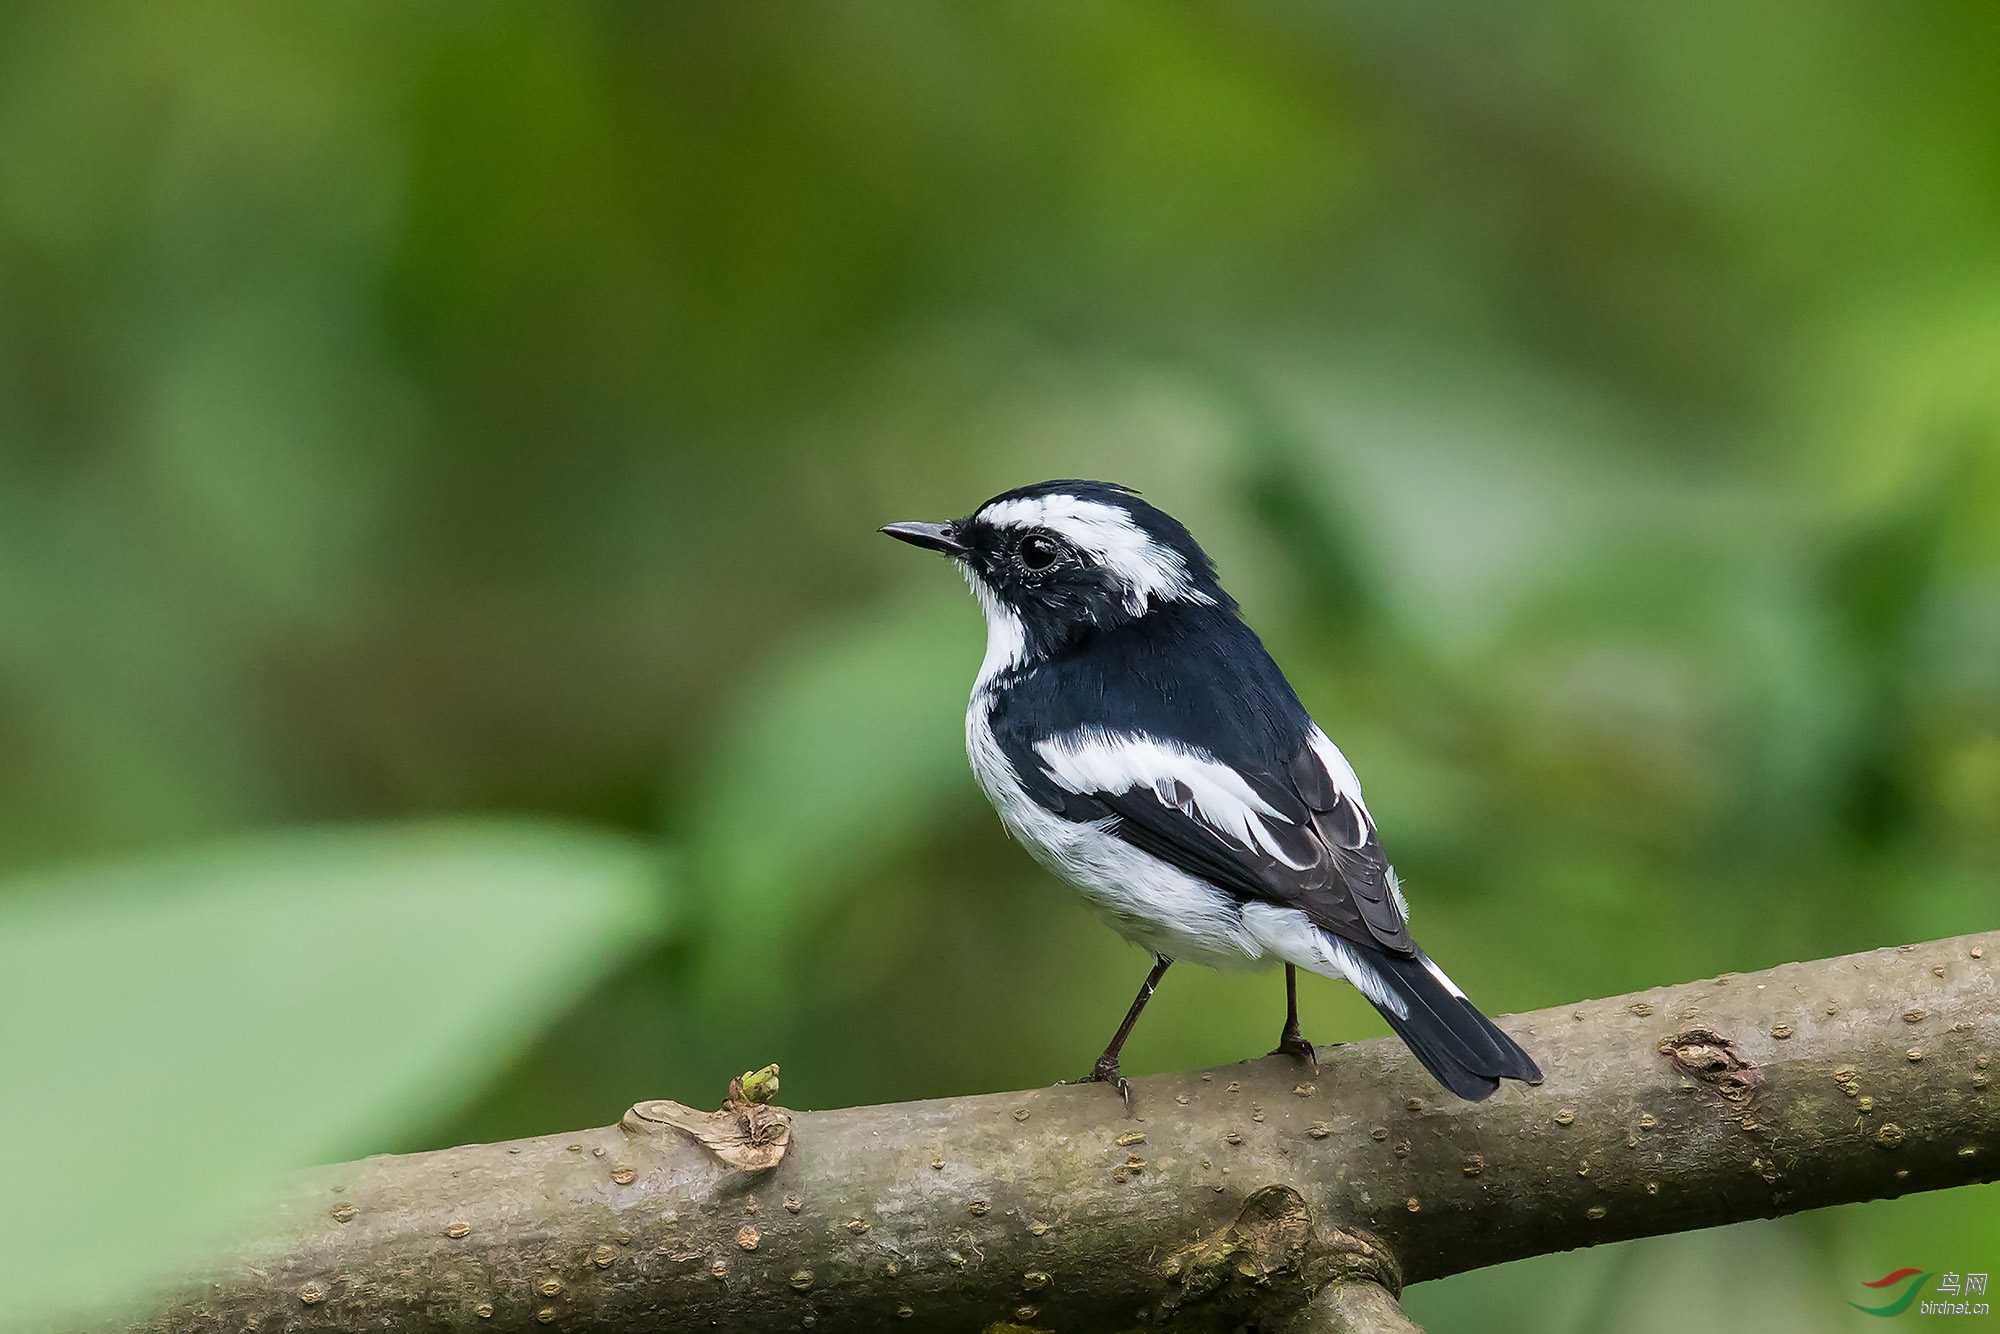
176	1031
841	755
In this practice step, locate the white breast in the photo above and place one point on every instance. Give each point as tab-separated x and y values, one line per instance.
1143	898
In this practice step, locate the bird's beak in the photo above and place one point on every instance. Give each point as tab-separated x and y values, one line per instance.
929	536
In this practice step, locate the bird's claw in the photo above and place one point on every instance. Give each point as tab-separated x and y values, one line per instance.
1106	1072
1291	1043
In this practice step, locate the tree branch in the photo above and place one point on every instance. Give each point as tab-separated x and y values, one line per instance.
1233	1197
1359	1307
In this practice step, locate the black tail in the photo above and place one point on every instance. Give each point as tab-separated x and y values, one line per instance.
1461	1047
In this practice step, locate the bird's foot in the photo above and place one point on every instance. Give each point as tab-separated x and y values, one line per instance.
1106	1072
1291	1043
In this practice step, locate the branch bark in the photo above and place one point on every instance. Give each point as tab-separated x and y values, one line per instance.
1359	1307
1233	1197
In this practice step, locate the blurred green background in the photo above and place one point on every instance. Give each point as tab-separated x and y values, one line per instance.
417	413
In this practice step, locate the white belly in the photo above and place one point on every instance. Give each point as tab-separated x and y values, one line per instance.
1144	899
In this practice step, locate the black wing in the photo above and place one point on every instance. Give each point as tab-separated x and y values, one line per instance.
1311	846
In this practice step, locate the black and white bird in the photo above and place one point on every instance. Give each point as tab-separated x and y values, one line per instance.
1135	735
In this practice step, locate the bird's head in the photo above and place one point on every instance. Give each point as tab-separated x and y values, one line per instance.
1058	561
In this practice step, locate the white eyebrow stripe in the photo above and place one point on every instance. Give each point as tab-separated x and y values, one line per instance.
1147	569
1092	759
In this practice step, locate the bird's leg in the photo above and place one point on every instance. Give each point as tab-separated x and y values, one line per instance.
1106	1069
1290	1043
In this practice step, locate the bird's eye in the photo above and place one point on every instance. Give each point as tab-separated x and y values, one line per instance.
1038	552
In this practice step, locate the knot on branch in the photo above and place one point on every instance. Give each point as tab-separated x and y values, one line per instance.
1703	1054
1269	1263
748	1132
